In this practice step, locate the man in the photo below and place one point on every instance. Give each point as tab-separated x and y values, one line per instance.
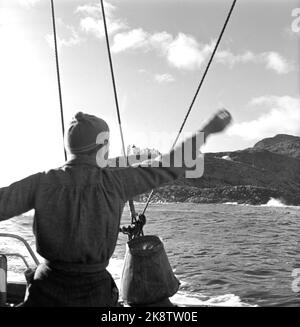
78	208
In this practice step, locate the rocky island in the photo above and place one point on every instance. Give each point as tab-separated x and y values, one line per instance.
270	169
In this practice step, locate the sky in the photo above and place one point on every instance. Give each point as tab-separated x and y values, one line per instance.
159	51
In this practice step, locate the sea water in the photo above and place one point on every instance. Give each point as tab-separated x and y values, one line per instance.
223	254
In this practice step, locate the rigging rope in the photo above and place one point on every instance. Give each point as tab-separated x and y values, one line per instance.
131	204
198	89
58	76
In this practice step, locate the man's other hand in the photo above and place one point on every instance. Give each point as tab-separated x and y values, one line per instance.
219	122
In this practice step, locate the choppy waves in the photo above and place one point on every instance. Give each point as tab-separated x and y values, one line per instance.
223	255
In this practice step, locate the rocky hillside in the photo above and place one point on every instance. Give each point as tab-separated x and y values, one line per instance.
270	169
282	144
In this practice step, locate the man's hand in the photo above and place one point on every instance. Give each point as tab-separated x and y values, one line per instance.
219	122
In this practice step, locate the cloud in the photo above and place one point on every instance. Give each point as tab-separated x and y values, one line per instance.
159	78
271	60
266	100
226	57
160	40
93	26
181	51
164	78
133	39
185	52
95	9
138	39
71	37
276	62
91	21
282	116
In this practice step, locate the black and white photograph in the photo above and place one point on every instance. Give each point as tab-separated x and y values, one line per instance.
150	157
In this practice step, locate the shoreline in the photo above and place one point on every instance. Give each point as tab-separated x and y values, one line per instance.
280	205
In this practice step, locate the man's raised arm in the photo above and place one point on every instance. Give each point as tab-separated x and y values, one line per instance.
149	174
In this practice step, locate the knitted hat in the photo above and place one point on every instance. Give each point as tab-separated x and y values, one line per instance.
83	133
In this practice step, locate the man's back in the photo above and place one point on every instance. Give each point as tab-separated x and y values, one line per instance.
77	213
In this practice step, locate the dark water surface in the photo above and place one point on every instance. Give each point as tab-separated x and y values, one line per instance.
223	254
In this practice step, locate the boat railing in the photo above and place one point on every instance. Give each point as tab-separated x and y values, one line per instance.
33	256
18	255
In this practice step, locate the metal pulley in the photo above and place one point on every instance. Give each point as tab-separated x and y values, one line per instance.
136	228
